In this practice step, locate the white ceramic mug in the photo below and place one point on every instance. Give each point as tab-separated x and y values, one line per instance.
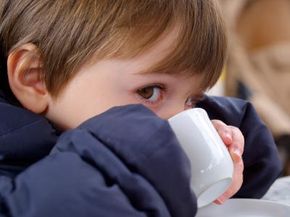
211	164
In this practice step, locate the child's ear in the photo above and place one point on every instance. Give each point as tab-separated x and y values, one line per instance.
24	68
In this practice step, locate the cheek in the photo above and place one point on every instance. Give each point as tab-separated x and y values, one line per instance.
70	110
74	106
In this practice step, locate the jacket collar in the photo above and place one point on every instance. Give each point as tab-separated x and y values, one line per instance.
25	137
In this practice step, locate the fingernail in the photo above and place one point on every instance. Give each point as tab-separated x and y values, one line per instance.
236	153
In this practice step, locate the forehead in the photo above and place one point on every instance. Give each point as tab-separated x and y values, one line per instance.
145	66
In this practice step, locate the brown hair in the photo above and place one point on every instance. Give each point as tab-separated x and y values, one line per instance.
69	32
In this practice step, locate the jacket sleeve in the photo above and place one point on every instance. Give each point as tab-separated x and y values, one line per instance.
261	158
124	162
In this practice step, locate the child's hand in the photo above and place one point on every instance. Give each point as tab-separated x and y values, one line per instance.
234	140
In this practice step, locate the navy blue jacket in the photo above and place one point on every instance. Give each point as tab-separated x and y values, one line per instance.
124	162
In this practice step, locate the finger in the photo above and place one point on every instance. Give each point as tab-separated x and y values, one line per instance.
237	147
236	183
224	131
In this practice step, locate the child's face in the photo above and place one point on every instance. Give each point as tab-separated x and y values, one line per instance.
113	82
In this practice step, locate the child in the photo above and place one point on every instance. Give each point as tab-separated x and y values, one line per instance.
86	66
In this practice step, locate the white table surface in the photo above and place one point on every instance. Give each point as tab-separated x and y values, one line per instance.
279	191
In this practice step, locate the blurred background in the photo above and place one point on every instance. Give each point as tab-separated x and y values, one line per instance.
258	66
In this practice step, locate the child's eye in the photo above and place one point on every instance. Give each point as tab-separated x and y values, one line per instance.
151	94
